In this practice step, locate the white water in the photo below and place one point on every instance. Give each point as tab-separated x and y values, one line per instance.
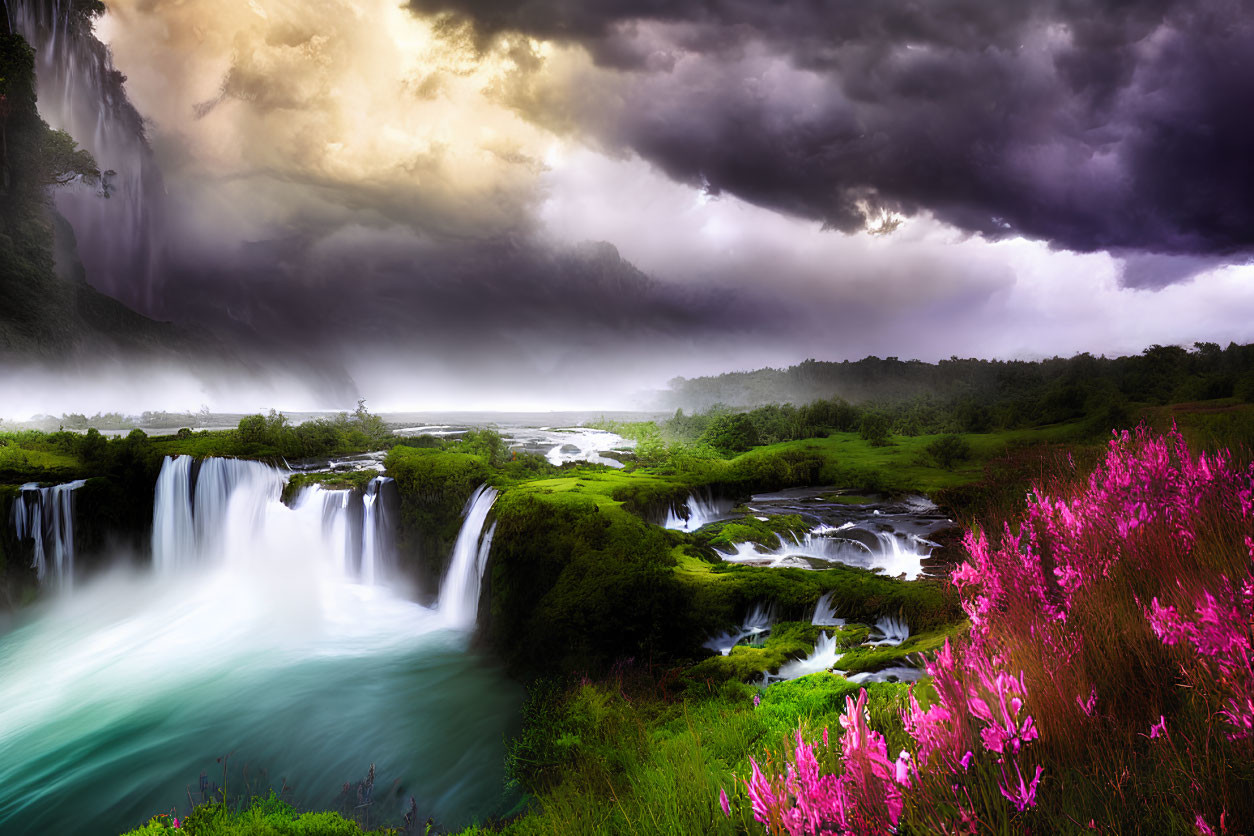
898	672
757	622
696	513
375	528
120	239
45	516
891	630
585	445
825	654
260	639
825	613
895	555
459	593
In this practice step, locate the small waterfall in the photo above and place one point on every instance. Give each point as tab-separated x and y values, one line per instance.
757	622
696	512
375	530
891	630
459	594
45	516
80	92
826	653
895	555
825	613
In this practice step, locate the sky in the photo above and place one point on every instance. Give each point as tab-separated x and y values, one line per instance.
528	203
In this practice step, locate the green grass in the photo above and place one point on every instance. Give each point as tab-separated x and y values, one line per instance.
617	756
261	817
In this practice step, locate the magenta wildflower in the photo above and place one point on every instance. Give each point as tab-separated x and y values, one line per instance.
722	800
1024	795
1202	827
1090	705
757	700
1159	728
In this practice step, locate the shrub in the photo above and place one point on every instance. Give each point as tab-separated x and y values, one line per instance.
875	428
948	450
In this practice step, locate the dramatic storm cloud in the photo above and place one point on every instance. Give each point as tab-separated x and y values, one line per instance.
1092	126
569	202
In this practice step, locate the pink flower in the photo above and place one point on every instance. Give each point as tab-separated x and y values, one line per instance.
1090	705
757	700
1202	827
1159	728
1024	795
722	800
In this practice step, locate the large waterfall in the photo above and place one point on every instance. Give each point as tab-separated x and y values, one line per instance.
206	512
265	632
119	239
45	516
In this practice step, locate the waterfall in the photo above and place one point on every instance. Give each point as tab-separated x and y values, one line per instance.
45	516
696	512
892	631
356	527
757	622
826	654
119	239
896	555
213	512
825	613
374	530
459	594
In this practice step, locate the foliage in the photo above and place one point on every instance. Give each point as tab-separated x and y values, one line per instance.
948	450
875	428
729	434
1146	549
270	816
434	486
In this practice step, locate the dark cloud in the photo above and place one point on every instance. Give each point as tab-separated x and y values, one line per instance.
1089	125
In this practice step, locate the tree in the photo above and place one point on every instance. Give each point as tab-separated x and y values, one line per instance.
62	161
730	434
948	450
875	428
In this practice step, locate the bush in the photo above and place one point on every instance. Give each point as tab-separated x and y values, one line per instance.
730	434
948	450
875	428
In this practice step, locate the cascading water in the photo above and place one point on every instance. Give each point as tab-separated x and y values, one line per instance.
756	623
253	637
459	594
697	512
825	613
895	555
826	654
45	516
119	239
375	529
891	631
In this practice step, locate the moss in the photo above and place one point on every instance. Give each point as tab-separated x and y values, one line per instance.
750	529
338	481
787	640
261	817
576	584
725	591
869	659
433	486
